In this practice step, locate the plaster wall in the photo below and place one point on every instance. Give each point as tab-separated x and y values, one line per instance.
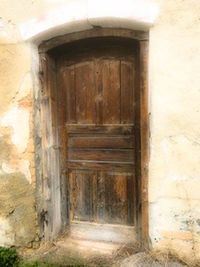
175	134
174	93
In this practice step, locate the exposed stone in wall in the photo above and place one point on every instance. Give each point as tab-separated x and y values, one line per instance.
17	211
17	174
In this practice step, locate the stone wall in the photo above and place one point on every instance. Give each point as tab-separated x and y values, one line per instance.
174	90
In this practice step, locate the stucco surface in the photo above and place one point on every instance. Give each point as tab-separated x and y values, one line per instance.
174	93
17	197
175	134
16	210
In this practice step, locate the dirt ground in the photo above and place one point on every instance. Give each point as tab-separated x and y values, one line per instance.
144	259
82	253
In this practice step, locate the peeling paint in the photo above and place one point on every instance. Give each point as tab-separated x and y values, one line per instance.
6	232
25	87
174	63
17	210
18	120
24	167
6	168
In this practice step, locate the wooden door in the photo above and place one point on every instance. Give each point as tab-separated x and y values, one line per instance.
98	85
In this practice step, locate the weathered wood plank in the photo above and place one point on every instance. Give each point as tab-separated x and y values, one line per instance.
99	90
81	182
144	135
101	142
111	91
124	155
103	165
127	92
111	129
85	92
116	197
113	201
105	32
68	77
100	199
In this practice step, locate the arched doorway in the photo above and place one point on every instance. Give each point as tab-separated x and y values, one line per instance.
94	140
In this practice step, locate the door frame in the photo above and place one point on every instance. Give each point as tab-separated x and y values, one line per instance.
51	184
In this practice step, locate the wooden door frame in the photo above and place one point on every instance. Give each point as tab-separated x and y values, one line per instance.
51	173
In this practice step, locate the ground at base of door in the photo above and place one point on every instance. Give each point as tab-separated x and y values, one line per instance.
70	252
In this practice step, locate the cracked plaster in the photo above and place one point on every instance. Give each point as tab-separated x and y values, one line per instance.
174	89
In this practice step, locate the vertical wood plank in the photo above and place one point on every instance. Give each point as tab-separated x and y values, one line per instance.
61	148
81	182
127	91
131	196
120	201
111	91
99	90
50	157
101	189
68	81
85	92
115	195
94	197
118	198
144	128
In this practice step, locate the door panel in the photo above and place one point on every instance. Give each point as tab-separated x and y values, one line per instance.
113	204
100	107
81	186
102	196
97	153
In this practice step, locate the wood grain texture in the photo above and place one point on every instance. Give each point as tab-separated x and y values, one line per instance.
101	165
101	196
99	66
144	130
102	139
94	33
82	194
111	129
101	142
68	79
127	91
129	180
111	91
85	92
98	145
119	155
